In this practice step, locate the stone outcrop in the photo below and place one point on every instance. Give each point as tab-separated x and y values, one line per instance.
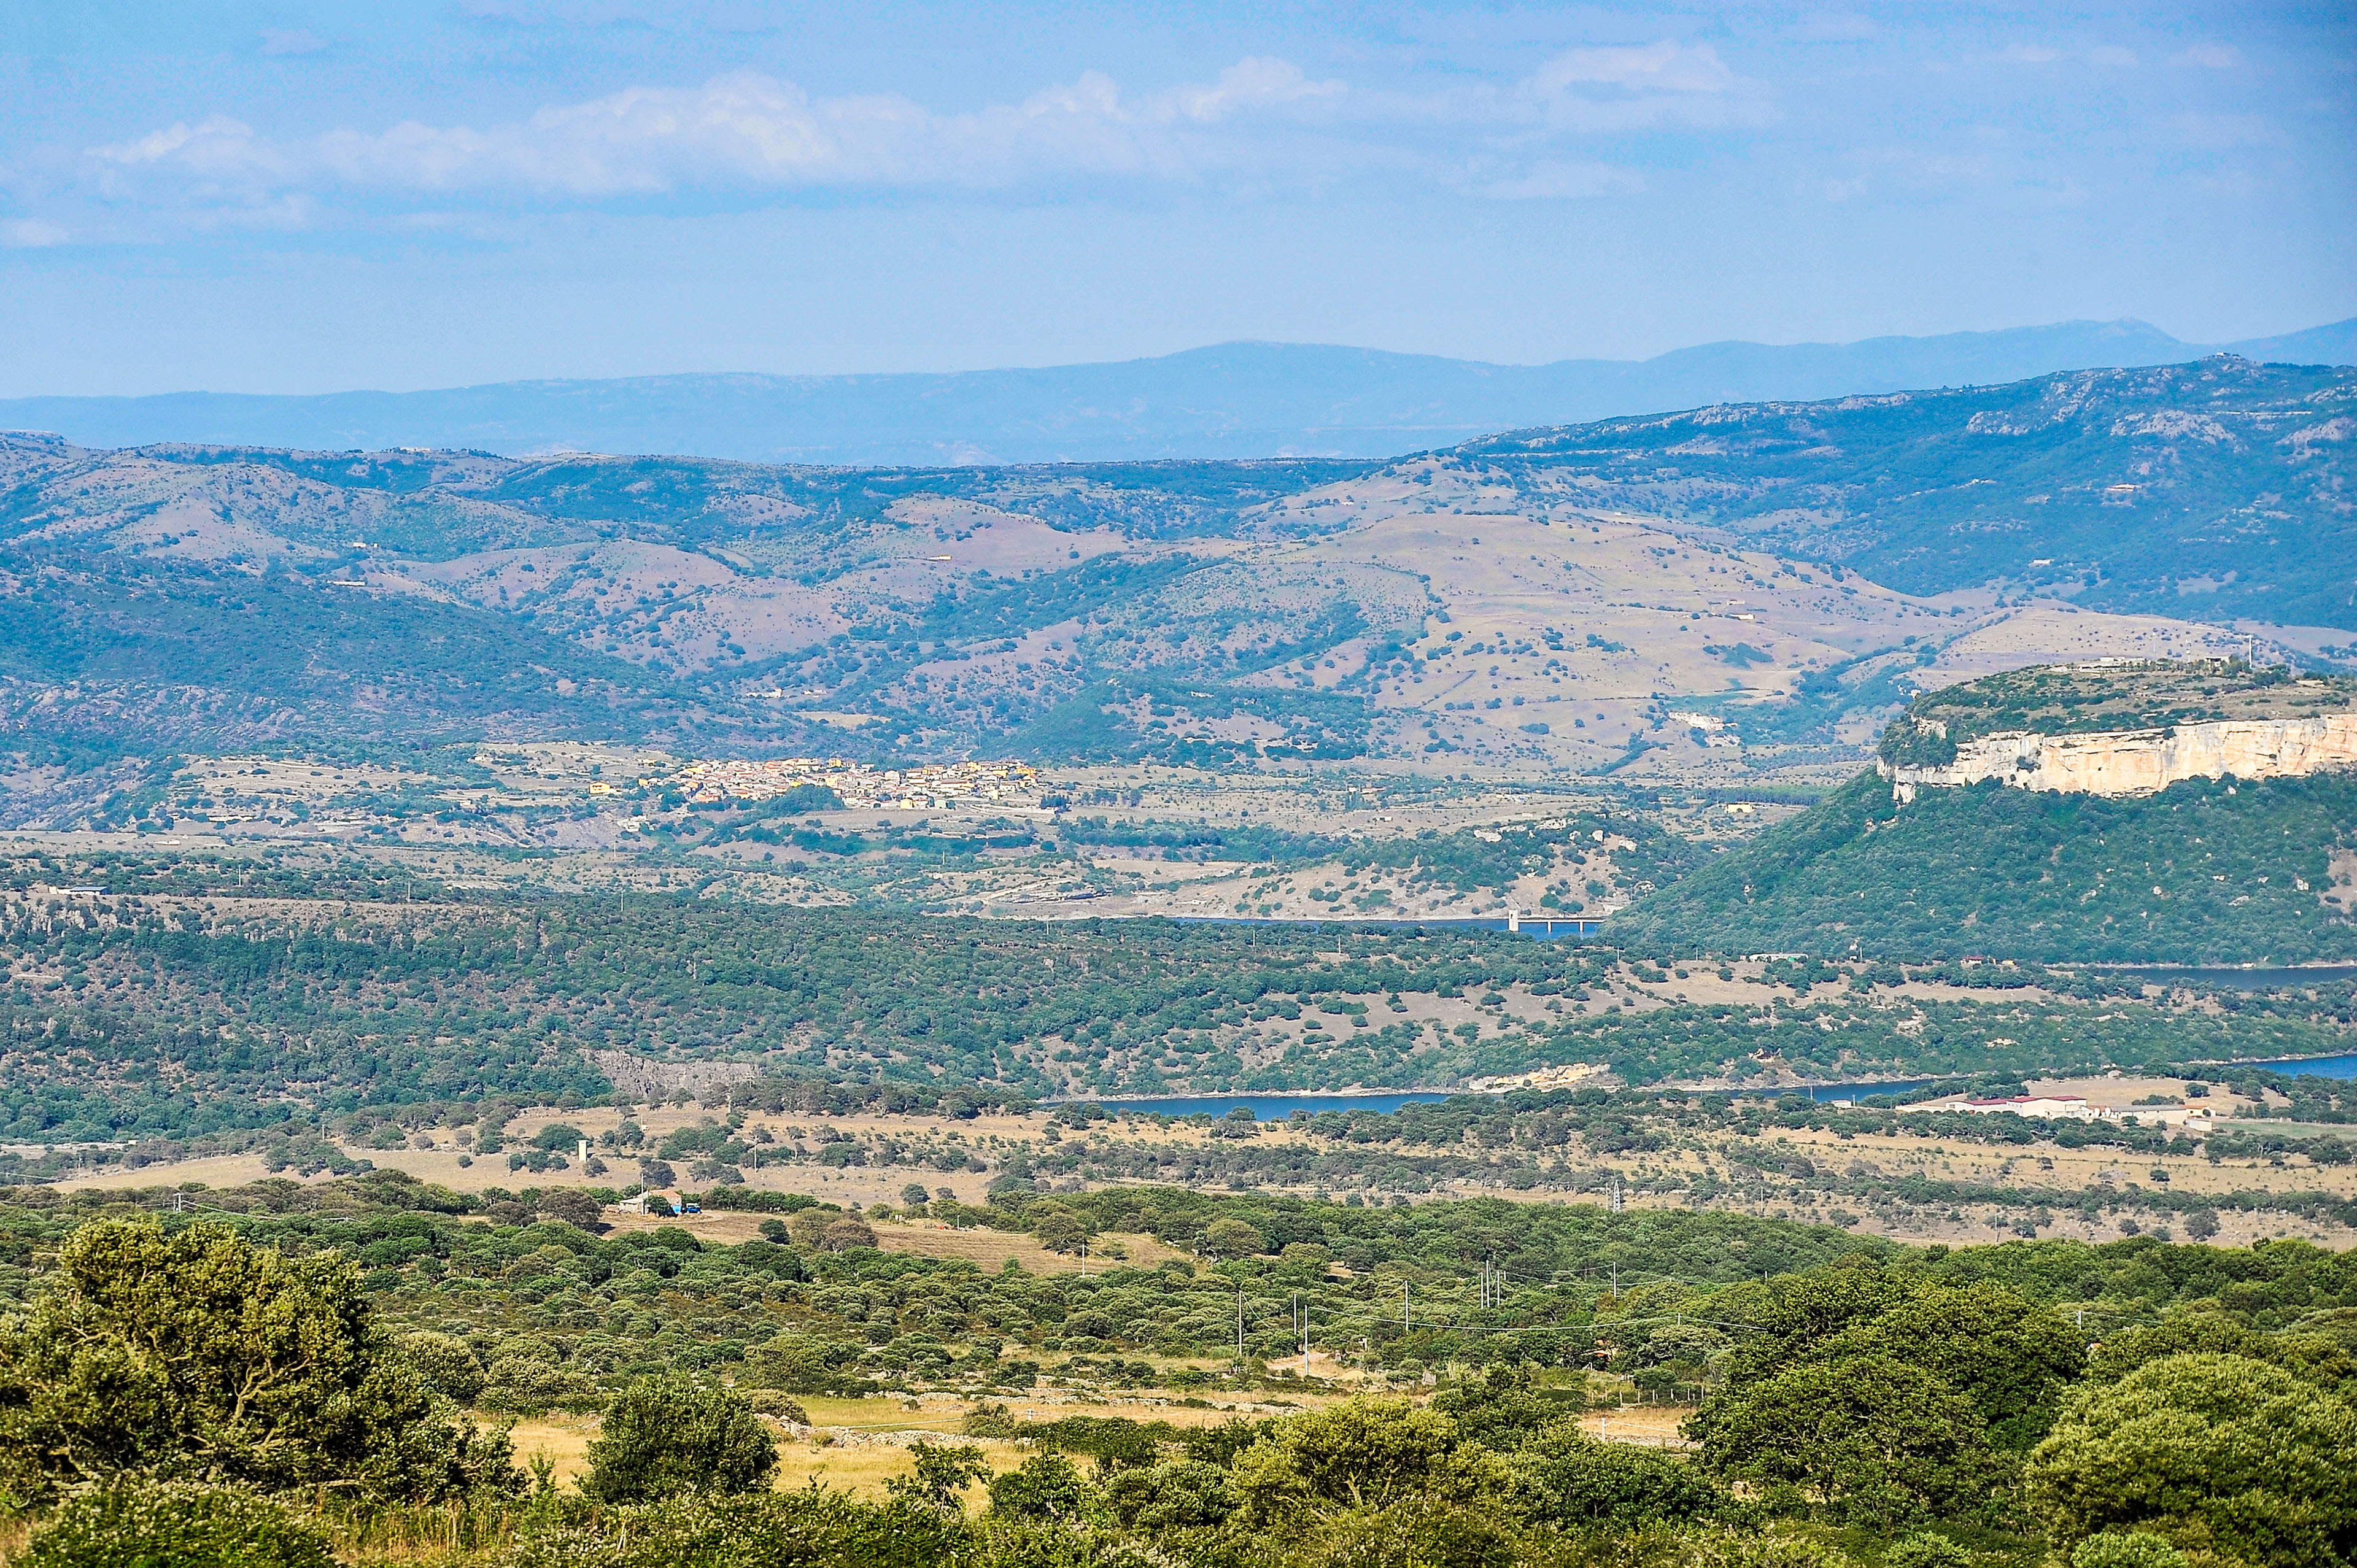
2139	762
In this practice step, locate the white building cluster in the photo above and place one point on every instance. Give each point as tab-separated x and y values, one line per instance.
2076	1108
1014	786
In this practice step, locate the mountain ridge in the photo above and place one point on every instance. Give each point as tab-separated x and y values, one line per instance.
1787	571
1225	400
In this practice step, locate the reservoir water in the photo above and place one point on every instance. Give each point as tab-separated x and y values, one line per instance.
1277	1107
2311	1066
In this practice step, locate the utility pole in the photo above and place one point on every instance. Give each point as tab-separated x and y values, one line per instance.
1239	1325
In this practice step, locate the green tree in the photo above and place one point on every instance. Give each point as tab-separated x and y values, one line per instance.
1877	1440
665	1438
2010	1357
1057	1228
1568	1480
1044	1487
447	1362
940	1475
1186	1494
807	1528
1414	1533
1363	1453
1234	1238
195	1354
2130	1549
1925	1550
175	1525
848	1234
1500	1409
2216	1452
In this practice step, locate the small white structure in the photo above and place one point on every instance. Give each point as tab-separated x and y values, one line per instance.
2074	1108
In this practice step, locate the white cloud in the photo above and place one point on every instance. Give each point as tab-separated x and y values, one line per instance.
2111	57
217	149
31	233
2222	130
1625	87
2033	54
1917	170
1254	83
2210	56
1665	66
747	129
1564	181
1838	28
291	41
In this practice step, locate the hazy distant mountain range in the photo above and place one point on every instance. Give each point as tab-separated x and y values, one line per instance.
1234	400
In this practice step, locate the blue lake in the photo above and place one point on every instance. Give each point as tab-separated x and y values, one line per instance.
1277	1107
2312	1067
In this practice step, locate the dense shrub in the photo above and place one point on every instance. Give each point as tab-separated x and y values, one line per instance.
172	1525
666	1437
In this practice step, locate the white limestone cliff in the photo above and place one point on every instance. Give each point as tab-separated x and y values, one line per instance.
2139	762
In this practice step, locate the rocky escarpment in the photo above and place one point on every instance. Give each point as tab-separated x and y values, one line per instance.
2132	762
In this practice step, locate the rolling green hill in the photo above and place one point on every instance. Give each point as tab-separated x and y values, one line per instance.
2201	872
1049	608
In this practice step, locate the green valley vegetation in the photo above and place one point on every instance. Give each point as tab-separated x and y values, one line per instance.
222	1003
2200	872
1851	1401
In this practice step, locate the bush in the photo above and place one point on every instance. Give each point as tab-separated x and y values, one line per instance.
447	1362
1045	1486
777	1404
1927	1551
2132	1548
768	1529
1184	1495
1418	1533
2242	1458
165	1525
196	1353
1572	1481
577	1210
665	1438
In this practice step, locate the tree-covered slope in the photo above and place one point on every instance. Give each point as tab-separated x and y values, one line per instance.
95	648
2201	872
2218	488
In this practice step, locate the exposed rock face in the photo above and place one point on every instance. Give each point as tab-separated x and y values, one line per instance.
2140	762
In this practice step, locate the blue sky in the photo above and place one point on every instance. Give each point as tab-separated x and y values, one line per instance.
293	197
